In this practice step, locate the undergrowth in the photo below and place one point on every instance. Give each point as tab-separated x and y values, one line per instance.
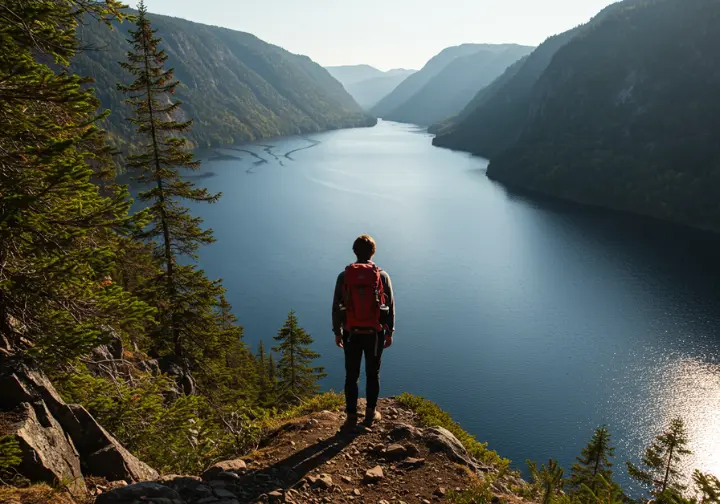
36	494
430	415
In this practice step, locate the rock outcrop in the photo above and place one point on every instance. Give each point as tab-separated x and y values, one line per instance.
47	455
60	442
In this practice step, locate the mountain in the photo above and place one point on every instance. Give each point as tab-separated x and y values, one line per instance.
494	119
369	92
416	81
455	85
350	74
236	87
627	114
366	84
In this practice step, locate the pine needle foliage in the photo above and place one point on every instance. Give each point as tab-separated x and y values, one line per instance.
60	212
173	231
297	378
594	462
661	471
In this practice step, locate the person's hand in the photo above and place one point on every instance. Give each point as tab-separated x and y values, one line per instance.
339	341
388	340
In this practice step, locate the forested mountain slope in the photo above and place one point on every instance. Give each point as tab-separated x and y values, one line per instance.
493	120
495	116
350	74
235	86
627	116
455	85
369	92
434	66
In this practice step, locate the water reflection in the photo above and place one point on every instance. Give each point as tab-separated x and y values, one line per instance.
678	387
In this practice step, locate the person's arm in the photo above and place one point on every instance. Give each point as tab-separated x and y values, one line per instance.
338	315
390	302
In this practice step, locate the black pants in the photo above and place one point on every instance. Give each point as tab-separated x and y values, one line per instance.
372	346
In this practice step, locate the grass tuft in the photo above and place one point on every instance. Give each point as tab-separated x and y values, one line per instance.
36	494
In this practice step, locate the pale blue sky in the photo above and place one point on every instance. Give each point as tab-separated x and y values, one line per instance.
385	33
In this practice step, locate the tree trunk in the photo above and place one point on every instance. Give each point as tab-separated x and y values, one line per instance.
292	362
667	469
169	259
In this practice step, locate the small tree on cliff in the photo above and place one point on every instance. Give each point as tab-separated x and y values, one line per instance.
297	378
594	461
661	461
183	294
548	479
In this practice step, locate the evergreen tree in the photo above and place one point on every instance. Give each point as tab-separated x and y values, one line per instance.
297	378
185	295
548	478
266	383
58	227
272	371
708	486
661	460
226	371
593	462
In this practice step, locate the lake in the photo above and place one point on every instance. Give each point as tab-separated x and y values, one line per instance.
531	321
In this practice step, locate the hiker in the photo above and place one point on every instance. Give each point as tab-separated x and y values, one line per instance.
363	317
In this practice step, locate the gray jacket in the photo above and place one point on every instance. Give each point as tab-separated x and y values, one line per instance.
338	315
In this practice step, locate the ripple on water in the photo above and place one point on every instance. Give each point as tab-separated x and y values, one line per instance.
674	386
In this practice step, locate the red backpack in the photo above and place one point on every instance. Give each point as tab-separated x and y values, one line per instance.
364	295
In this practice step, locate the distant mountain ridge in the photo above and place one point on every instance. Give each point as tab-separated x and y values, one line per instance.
366	84
434	66
236	87
446	93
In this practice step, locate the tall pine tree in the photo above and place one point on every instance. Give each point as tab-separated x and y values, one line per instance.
185	297
594	461
661	460
60	213
297	377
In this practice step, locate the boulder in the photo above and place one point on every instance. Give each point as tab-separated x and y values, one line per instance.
177	371
190	488
441	439
102	455
47	455
146	491
97	452
235	466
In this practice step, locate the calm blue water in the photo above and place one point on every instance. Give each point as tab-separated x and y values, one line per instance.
532	322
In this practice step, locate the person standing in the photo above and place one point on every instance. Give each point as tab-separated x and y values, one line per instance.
363	318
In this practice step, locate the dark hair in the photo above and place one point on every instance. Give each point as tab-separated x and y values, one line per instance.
364	247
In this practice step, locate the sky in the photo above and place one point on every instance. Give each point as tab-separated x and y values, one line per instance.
385	33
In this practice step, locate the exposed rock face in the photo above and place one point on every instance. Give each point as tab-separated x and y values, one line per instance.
441	439
61	442
101	453
47	455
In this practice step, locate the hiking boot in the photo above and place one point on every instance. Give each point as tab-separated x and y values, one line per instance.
350	422
371	416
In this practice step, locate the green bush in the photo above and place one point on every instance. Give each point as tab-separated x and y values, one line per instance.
9	454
